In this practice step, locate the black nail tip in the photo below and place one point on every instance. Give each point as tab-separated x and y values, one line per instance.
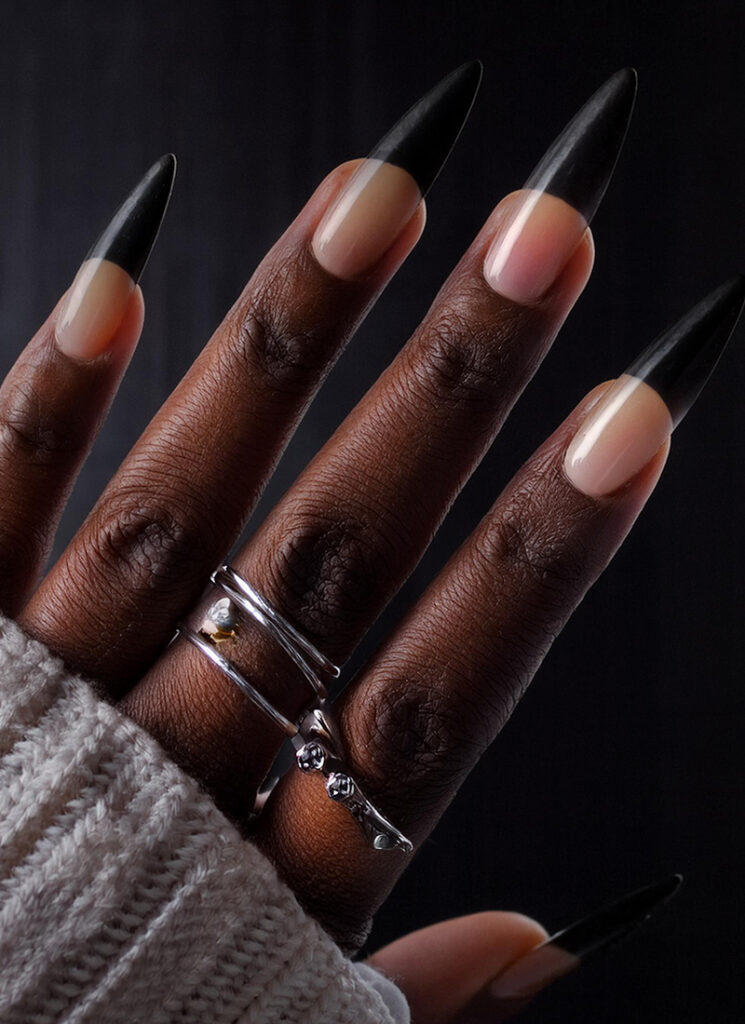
605	927
130	235
680	362
579	164
422	140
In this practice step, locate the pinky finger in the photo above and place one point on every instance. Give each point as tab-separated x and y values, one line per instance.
57	394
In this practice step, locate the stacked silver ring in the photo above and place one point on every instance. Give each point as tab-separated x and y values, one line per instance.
315	736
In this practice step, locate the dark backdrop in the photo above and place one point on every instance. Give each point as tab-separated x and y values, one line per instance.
626	758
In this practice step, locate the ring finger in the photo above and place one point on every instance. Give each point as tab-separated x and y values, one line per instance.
442	687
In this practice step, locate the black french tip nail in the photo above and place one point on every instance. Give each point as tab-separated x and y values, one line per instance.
130	235
607	926
422	140
680	362
579	164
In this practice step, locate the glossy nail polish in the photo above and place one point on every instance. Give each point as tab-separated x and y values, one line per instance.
567	950
639	411
105	281
540	226
383	193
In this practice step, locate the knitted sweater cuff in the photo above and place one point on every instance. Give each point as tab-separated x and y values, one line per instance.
125	895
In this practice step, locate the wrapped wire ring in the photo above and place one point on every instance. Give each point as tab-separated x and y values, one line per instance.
315	735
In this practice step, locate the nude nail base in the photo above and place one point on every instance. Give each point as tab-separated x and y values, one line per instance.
640	410
383	194
103	286
542	224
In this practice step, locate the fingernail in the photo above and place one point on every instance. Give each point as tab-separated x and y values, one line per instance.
107	277
640	410
382	195
540	226
567	950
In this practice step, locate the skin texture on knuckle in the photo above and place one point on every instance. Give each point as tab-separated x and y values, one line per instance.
524	544
281	354
327	563
281	325
478	347
97	608
456	360
409	725
34	430
141	541
540	529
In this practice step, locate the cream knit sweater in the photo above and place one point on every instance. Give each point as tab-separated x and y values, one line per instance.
126	896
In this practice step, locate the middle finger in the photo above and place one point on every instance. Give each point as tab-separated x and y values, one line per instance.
346	536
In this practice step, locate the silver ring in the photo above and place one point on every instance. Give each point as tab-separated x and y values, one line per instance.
315	736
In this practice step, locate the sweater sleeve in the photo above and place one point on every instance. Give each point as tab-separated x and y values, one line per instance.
125	895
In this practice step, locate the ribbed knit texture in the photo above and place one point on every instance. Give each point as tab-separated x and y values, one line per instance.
125	895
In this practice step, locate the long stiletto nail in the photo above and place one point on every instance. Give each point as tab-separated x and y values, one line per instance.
382	195
567	950
105	281
640	410
540	226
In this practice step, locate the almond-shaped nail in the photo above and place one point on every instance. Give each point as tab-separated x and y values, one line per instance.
567	950
639	411
540	226
103	285
382	195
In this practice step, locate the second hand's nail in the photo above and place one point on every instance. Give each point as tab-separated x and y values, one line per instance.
103	286
565	951
635	416
540	226
383	193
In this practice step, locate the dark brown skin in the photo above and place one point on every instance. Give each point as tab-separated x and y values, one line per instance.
50	411
330	556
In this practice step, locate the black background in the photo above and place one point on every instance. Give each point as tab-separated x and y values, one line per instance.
625	760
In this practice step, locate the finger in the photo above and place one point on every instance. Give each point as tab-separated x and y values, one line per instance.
351	529
443	686
181	498
56	395
504	960
439	986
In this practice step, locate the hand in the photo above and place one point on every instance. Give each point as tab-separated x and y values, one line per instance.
344	538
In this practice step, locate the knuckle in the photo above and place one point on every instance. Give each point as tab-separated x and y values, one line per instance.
423	732
32	430
452	364
462	357
142	543
329	565
284	352
524	539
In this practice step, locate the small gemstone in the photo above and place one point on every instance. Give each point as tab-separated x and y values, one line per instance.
311	757
383	841
339	786
223	614
220	621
